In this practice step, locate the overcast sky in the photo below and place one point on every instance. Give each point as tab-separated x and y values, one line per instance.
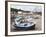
28	7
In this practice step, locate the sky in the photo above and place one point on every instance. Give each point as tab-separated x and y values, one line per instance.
28	7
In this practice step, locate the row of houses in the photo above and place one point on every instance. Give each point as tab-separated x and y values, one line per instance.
23	12
19	11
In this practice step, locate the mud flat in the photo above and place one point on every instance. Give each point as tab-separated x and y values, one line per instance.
38	25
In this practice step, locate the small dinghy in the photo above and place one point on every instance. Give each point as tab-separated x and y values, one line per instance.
22	25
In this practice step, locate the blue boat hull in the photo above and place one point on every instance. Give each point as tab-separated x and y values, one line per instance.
26	28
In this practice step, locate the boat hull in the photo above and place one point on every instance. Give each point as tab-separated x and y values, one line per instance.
26	28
